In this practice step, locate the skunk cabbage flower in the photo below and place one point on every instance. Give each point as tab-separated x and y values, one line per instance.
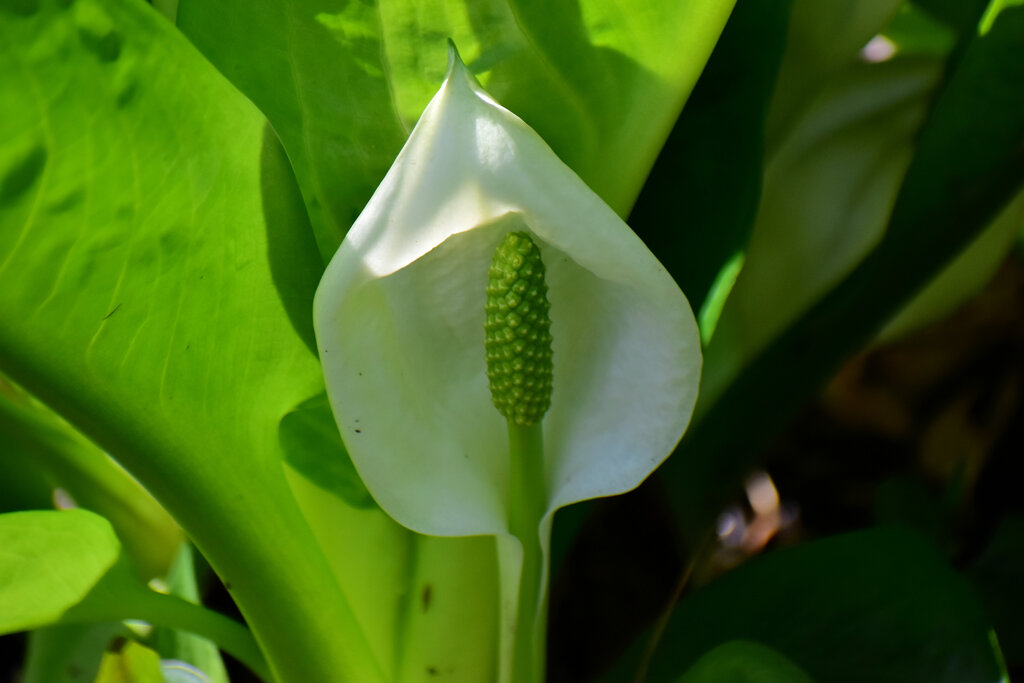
400	322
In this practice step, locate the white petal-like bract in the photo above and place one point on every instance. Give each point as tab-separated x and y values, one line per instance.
399	317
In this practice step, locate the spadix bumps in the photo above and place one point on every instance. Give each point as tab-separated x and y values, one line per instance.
518	330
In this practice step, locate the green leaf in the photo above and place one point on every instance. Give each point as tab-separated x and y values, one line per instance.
50	561
961	15
40	440
823	39
343	82
996	577
914	31
23	485
181	645
697	208
742	661
967	275
313	447
130	663
969	163
877	606
827	197
68	653
66	566
157	272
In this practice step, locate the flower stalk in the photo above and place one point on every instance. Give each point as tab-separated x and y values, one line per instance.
520	371
398	317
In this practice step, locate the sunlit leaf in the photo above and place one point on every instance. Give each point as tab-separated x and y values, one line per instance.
49	562
130	662
602	81
156	277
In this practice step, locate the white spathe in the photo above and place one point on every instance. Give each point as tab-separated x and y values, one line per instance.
399	318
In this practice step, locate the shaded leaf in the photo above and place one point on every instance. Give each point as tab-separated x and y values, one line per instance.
969	163
878	605
823	39
961	15
741	661
68	653
313	447
996	575
828	193
697	208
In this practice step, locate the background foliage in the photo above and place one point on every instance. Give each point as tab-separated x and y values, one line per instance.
174	177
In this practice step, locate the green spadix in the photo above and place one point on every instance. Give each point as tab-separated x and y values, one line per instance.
518	330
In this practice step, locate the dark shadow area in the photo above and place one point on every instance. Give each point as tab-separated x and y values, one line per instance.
697	208
312	445
295	264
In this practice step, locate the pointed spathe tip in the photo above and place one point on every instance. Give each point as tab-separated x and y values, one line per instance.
453	57
457	67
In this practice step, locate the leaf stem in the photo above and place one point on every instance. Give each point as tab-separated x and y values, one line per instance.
527	504
231	636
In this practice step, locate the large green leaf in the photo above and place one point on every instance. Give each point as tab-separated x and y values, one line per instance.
878	606
343	82
156	277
